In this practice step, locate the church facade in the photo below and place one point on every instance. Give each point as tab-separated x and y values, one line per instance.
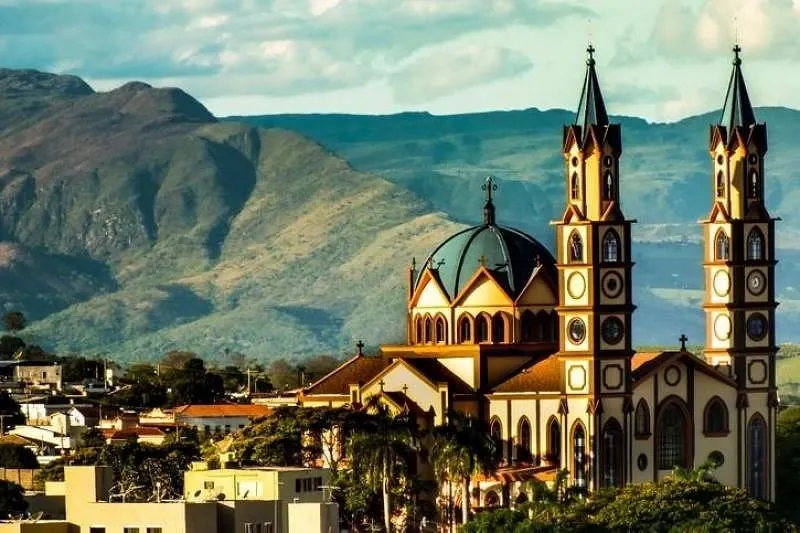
539	345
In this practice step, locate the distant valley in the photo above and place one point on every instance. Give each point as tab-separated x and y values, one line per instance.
134	222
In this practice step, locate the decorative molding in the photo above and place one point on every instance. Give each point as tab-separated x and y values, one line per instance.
757	371
612	284
576	285
672	375
576	377
612	376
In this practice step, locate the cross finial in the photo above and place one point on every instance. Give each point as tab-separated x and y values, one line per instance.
381	383
683	338
489	186
736	59
405	390
590	50
360	346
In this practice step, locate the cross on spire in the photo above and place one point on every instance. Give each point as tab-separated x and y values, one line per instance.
360	346
405	390
736	49
488	207
683	338
381	383
590	50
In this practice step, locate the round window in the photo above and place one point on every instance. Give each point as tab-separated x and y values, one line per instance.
608	161
574	161
641	461
717	458
612	330
577	330
757	326
720	159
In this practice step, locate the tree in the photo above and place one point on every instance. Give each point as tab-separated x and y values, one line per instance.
17	456
383	454
787	461
176	359
282	374
462	448
11	499
9	346
14	321
10	408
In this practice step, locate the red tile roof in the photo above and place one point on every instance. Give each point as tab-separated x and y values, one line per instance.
358	369
536	376
128	433
221	410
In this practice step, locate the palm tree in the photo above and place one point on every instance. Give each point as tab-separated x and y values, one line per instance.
462	448
383	453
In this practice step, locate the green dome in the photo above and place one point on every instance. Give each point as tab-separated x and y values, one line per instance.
511	255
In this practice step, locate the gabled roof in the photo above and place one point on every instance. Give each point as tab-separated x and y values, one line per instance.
436	372
358	369
136	432
644	364
543	375
221	410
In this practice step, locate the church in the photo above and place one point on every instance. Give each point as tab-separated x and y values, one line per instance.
539	344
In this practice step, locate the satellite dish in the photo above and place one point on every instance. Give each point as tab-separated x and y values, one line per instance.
220	496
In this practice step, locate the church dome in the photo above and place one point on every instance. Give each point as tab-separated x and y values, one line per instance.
509	254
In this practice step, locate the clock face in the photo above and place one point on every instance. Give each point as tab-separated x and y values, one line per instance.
722	283
757	326
756	282
576	330
722	327
612	284
612	330
576	285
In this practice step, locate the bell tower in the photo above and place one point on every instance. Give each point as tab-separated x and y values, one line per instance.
595	299
739	264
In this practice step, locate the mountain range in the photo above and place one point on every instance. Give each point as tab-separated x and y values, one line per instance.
134	221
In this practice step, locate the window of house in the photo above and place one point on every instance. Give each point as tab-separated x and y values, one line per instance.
722	246
554	441
418	329
465	331
715	419
755	245
756	457
574	187
428	330
130	530
44	375
208	485
207	429
298	485
481	329
524	447
608	186
720	184
579	457
755	184
575	247
496	432
227	428
641	425
241	426
612	454
440	337
672	437
154	530
610	247
317	483
528	326
498	328
96	529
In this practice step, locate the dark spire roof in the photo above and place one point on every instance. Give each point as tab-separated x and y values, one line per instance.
488	207
591	109
737	110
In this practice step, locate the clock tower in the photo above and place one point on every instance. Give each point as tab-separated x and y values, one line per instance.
595	298
739	264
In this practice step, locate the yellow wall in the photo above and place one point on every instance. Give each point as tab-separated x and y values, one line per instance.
400	376
463	367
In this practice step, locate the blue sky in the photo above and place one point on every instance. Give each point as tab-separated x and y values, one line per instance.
658	59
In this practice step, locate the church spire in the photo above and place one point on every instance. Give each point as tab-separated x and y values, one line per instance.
737	110
591	109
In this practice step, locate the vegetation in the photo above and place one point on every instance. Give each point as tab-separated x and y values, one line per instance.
11	499
17	456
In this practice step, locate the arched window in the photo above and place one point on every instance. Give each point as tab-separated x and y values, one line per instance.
554	441
610	247
527	326
428	329
722	246
491	499
418	330
756	457
575	187
542	325
579	456
440	330
720	184
575	247
498	328
673	436
481	329
496	431
608	186
755	245
754	187
612	454
715	417
552	334
464	329
524	440
641	424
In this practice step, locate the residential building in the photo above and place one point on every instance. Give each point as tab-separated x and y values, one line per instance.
218	418
539	344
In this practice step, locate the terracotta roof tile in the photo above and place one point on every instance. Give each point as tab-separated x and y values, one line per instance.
643	362
358	369
542	375
221	410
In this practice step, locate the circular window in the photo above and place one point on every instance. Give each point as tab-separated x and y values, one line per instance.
574	161
612	330
722	283
608	161
577	330
722	327
756	282
720	159
612	284
716	458
672	375
576	285
757	326
752	159
641	461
